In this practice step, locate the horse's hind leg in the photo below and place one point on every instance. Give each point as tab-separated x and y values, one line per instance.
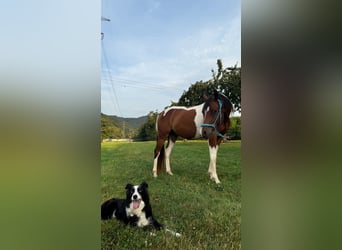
159	146
168	150
170	144
155	166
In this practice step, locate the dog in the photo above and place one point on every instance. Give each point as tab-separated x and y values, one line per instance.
135	210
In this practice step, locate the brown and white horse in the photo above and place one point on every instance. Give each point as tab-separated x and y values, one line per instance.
209	120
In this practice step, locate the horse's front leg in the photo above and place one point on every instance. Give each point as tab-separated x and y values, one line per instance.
212	165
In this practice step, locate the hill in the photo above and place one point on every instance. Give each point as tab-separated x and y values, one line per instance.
133	123
120	127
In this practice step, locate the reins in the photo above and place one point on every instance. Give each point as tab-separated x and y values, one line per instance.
212	125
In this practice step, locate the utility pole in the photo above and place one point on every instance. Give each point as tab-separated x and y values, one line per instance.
123	130
106	20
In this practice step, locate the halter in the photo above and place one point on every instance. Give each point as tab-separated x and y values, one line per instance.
219	115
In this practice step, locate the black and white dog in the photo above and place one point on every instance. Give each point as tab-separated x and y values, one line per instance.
135	210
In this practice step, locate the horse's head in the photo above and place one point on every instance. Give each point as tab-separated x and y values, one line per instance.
216	111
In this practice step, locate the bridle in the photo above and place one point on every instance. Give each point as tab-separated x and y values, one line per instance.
219	116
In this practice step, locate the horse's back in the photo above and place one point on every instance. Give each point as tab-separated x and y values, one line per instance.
180	120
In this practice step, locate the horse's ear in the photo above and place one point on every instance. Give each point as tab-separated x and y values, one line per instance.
215	94
205	97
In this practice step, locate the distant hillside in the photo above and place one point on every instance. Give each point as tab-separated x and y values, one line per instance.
112	125
133	123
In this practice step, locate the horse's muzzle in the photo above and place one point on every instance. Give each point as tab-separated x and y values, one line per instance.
206	132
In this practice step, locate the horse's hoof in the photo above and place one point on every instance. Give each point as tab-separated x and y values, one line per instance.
217	181
155	175
169	172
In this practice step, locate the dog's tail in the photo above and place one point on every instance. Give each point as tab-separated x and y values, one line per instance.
173	233
161	158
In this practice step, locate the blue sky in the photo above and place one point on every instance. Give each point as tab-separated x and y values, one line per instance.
154	50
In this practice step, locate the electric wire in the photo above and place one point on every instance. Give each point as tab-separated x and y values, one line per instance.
115	101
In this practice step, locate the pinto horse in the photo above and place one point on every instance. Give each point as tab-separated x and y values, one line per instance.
209	120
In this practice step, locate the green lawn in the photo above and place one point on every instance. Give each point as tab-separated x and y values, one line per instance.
207	215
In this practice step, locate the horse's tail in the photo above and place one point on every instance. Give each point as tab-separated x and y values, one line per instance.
161	159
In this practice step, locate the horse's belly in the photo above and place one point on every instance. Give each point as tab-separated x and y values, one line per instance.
190	134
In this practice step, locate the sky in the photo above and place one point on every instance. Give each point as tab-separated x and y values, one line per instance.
153	50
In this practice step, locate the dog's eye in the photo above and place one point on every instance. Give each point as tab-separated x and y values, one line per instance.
139	190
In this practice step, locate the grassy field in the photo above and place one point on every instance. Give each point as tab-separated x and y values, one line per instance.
207	215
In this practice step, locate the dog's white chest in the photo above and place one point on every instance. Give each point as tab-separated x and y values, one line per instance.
142	220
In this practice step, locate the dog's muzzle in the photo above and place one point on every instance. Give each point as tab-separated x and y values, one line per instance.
136	203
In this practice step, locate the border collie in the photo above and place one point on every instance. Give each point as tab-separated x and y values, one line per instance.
135	210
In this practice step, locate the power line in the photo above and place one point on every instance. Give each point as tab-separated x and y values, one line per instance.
135	85
141	84
111	81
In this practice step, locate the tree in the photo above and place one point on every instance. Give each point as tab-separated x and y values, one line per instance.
226	81
108	130
234	131
147	131
194	95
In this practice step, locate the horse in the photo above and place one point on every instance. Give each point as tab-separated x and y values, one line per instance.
209	120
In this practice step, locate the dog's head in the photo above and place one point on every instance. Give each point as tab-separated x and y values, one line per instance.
137	195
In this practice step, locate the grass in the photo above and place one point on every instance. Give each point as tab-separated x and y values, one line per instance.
207	215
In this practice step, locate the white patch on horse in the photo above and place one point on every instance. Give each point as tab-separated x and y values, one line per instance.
176	107
181	107
198	120
198	117
206	111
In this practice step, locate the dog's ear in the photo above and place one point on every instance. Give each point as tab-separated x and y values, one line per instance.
144	184
128	186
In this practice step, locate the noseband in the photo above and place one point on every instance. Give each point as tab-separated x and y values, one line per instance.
212	125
